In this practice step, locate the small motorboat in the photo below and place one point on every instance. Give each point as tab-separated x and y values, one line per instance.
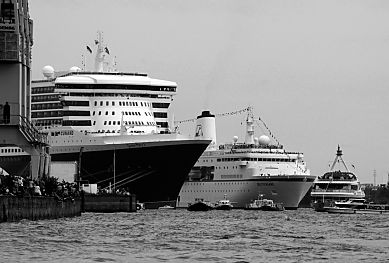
200	205
166	207
224	204
358	206
264	205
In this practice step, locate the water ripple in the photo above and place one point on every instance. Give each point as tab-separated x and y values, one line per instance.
182	236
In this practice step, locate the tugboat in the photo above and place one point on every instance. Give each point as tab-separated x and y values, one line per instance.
200	205
224	204
339	184
264	205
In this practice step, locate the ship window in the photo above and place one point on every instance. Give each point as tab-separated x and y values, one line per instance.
113	113
141	104
95	103
120	103
105	122
118	122
101	103
99	112
106	113
109	123
127	103
94	113
107	103
113	103
94	123
114	122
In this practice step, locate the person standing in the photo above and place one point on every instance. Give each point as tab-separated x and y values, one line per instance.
6	113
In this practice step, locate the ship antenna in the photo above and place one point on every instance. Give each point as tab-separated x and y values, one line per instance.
338	159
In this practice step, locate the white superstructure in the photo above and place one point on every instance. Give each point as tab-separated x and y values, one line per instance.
243	170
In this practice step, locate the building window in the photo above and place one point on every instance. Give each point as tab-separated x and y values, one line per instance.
101	103
106	113
99	112
113	113
113	103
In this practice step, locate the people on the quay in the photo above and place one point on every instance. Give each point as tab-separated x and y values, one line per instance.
48	186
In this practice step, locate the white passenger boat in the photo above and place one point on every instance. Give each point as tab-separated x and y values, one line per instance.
339	184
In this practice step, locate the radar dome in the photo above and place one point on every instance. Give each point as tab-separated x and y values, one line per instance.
48	71
74	69
235	139
264	140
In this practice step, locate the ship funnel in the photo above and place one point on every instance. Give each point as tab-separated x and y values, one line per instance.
206	128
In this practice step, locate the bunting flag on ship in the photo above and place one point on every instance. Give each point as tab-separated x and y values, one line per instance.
218	115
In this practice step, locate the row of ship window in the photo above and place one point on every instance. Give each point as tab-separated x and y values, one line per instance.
11	150
126	123
136	113
256	159
118	131
125	103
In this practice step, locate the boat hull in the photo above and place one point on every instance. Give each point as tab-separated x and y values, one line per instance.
199	207
287	190
152	171
337	210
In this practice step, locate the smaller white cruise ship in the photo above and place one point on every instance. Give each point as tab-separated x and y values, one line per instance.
243	170
339	184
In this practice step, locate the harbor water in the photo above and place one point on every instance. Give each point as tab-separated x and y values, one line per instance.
215	236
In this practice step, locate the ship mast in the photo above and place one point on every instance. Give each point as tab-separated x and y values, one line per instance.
100	54
339	159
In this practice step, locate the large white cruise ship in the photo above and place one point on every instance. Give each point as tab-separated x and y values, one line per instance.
114	125
242	171
338	184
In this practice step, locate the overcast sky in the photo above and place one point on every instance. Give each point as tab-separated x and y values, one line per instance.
315	71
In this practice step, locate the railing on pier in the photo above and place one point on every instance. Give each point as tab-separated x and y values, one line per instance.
29	131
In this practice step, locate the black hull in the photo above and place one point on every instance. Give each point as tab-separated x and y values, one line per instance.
16	165
199	207
154	173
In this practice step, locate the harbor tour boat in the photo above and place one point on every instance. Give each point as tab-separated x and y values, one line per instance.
114	125
200	205
357	206
224	204
242	170
339	184
264	205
